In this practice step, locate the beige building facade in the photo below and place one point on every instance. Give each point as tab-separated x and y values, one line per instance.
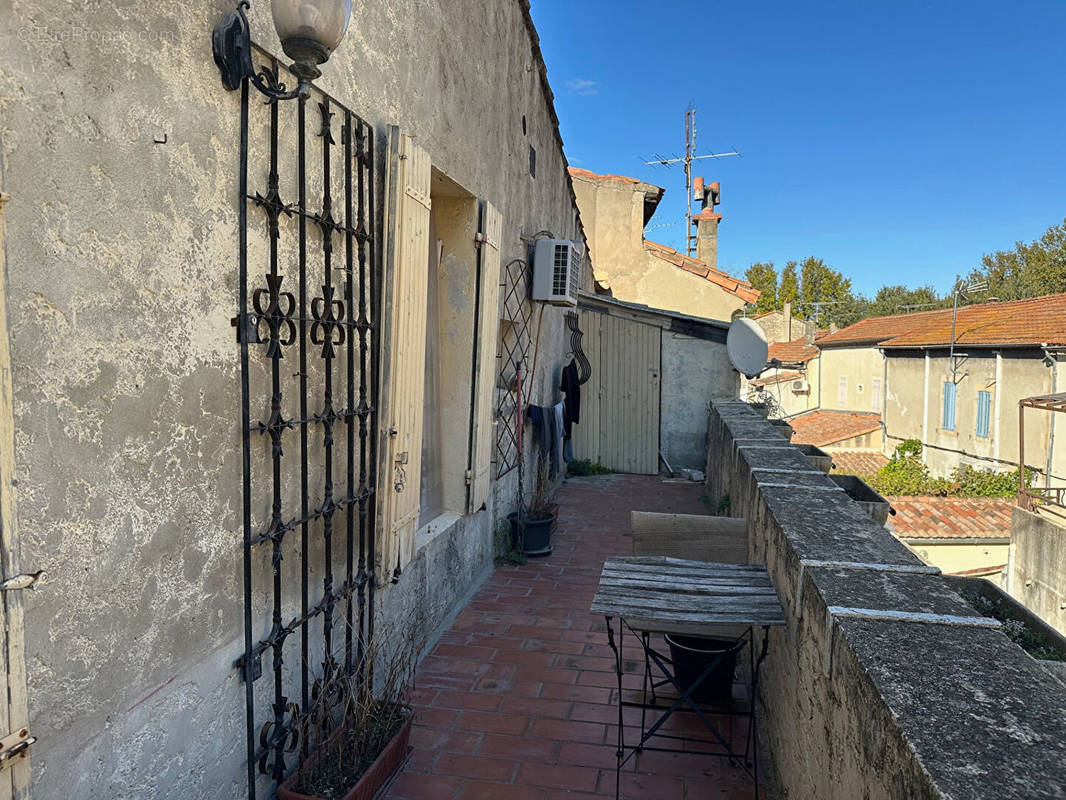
123	233
614	211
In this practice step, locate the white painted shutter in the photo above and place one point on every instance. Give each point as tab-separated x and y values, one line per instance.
406	355
488	326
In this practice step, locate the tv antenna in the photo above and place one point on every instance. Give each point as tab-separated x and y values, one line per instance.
687	159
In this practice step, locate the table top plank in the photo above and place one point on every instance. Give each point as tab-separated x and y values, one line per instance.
664	593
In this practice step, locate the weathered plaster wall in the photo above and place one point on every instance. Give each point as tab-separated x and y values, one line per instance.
693	371
1036	574
613	211
958	557
859	367
876	709
1022	374
121	283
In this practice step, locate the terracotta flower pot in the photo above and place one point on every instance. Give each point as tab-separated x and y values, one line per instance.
372	780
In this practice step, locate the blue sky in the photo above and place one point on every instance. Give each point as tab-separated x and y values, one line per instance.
897	140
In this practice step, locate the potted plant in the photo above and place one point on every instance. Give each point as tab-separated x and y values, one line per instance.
356	734
532	527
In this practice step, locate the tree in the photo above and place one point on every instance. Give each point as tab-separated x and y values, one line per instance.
788	290
1029	270
825	294
763	277
901	300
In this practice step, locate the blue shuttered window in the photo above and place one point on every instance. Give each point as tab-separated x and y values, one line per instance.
984	413
947	421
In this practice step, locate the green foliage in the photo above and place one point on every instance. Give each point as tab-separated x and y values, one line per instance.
582	466
891	300
763	277
824	294
1029	270
905	474
505	550
1032	642
788	289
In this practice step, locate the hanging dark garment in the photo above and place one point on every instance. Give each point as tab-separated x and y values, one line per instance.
571	388
543	420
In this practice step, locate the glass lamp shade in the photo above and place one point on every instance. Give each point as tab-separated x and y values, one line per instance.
310	29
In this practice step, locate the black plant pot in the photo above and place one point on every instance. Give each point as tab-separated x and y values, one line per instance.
691	656
535	540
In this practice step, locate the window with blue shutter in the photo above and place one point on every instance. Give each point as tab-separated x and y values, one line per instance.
947	421
984	413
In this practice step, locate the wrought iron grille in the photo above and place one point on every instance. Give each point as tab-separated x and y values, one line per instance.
307	312
512	357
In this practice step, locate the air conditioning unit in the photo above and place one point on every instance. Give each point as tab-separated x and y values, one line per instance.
800	386
557	271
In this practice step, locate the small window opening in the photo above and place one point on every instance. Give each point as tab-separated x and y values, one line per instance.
532	162
523	124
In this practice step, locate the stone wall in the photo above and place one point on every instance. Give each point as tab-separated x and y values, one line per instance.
119	148
1036	572
872	708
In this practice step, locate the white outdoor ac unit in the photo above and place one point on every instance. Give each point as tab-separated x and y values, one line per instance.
557	271
800	386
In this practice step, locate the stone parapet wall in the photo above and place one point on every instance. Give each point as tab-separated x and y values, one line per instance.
861	708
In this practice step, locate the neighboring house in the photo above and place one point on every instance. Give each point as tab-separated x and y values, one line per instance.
375	234
838	430
793	387
779	325
965	409
614	211
961	535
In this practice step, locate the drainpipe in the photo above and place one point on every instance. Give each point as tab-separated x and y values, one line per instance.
1050	356
884	399
925	411
999	385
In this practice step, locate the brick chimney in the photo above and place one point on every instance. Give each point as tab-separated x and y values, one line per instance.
786	320
809	331
708	195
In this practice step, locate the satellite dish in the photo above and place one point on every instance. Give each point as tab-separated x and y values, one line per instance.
747	348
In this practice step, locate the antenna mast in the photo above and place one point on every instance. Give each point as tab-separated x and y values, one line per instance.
687	159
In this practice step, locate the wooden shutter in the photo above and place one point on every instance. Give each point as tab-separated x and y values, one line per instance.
488	325
948	417
405	354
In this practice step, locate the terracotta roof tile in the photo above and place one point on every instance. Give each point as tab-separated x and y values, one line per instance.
821	428
796	351
740	288
951	517
779	377
858	462
1033	321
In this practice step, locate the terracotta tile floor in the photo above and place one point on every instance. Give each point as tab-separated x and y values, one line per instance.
515	701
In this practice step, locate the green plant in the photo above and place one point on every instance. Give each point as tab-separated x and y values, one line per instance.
1017	631
905	474
582	467
505	550
723	506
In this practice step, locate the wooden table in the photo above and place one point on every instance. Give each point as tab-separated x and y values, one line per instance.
657	594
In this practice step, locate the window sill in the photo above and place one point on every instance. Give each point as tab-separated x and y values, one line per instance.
434	528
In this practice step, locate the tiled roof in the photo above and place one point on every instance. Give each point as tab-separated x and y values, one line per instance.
740	288
827	427
577	172
1034	321
951	517
858	462
878	329
779	377
796	351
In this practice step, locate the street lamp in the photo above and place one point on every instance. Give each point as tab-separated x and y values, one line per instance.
310	31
